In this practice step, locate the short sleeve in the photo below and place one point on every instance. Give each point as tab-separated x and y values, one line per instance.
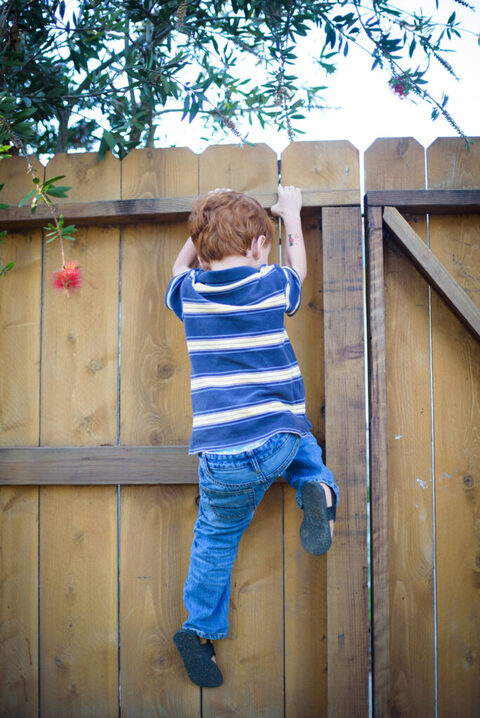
173	295
293	291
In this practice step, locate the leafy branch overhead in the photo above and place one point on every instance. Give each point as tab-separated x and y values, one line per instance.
88	73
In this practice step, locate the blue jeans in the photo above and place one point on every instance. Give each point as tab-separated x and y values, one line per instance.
231	487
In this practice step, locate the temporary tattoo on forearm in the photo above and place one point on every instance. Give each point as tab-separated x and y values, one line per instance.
291	241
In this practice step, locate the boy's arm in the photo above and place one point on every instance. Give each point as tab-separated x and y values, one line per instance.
187	258
288	209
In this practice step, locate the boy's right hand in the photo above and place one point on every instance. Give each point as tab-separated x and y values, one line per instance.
289	202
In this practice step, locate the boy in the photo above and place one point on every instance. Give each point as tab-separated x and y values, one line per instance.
249	422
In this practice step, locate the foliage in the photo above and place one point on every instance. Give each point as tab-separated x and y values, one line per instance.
73	73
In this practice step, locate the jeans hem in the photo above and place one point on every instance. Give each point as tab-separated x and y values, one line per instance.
210	636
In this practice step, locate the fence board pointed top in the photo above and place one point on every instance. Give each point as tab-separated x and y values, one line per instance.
451	165
16	179
151	173
395	163
326	165
252	169
89	179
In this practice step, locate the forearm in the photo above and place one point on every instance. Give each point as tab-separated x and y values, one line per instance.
293	245
187	258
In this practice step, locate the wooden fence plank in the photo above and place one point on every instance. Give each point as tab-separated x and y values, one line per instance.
156	532
378	456
311	166
155	409
155	396
78	537
19	602
152	209
456	366
78	602
20	308
346	448
408	687
434	271
98	465
427	200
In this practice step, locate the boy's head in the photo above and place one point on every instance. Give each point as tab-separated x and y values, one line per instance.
224	223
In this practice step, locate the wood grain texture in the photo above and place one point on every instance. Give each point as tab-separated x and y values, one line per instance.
152	209
451	165
250	169
80	330
156	522
78	602
251	658
155	374
346	452
433	270
378	456
427	200
396	163
407	683
157	529
305	575
98	465
20	306
18	602
78	526
456	366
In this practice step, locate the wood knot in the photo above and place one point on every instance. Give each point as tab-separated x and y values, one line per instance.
165	370
155	438
95	365
70	337
468	482
470	658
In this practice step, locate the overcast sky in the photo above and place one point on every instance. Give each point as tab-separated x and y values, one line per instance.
367	106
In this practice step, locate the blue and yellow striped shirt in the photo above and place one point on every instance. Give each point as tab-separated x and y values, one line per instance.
245	381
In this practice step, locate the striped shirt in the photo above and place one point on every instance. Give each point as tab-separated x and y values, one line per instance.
245	381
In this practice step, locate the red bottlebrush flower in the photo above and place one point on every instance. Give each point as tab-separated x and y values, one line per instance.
67	277
400	84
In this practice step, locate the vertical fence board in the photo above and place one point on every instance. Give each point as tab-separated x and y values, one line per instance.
309	165
346	449
20	306
155	409
155	401
78	538
399	164
256	609
156	531
378	459
78	602
18	601
80	331
455	240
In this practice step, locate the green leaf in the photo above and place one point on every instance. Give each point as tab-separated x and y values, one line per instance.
4	206
58	191
27	198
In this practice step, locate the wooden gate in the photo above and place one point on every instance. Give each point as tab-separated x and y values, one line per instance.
424	312
98	493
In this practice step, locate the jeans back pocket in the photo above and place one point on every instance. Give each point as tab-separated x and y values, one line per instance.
231	505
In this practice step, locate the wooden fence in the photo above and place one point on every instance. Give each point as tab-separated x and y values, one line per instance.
98	494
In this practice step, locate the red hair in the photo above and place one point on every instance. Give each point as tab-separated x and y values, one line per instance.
225	223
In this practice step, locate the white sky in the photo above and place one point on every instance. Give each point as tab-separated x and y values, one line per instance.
367	106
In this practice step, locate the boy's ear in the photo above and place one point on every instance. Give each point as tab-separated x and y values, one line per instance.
256	246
